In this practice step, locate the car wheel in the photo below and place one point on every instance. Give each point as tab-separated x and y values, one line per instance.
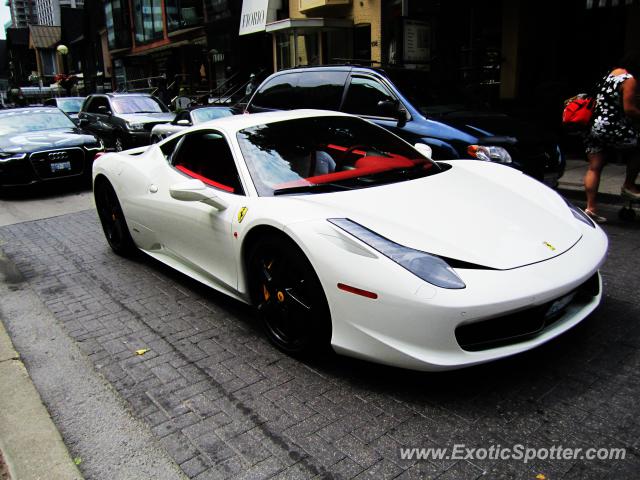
119	144
289	297
155	139
112	219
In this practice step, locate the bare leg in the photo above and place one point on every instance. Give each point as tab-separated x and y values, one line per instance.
592	179
633	168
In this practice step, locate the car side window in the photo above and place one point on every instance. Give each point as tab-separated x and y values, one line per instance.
206	155
96	103
363	97
168	147
277	94
321	90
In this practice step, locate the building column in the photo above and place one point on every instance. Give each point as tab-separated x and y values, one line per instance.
511	32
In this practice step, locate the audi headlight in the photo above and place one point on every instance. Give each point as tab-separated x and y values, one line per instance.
429	268
135	126
579	214
489	153
9	156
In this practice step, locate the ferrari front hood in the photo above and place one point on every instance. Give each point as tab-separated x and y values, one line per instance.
477	212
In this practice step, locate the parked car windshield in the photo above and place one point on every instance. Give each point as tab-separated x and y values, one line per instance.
205	114
137	104
70	105
322	154
33	120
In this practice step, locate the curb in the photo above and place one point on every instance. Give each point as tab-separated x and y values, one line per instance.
578	195
31	444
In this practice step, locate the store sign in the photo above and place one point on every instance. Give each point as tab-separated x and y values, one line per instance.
254	16
417	41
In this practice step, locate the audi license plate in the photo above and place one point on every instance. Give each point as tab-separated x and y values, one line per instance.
60	166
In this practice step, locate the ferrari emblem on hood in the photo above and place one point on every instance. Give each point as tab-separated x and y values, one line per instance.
551	247
243	211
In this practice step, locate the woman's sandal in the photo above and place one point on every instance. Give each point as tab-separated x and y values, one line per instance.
594	216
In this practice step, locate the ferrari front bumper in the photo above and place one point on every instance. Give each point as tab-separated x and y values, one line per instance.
412	324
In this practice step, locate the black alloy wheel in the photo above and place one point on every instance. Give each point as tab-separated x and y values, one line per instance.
289	297
112	219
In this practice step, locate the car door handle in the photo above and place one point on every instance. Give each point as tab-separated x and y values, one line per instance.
153	188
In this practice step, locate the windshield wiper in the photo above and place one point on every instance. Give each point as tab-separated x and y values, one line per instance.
312	188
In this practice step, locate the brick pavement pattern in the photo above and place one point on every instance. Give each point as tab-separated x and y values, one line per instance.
226	404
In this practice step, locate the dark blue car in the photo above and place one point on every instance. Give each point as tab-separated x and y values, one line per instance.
404	102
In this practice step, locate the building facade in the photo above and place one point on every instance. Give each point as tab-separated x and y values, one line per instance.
23	13
49	11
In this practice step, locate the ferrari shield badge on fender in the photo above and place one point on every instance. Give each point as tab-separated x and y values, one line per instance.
243	211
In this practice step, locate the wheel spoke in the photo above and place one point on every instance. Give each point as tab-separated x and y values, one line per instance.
289	293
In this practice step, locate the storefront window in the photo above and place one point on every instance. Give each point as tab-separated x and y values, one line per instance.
118	32
283	41
147	17
183	13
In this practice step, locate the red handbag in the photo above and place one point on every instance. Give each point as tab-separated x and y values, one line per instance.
578	111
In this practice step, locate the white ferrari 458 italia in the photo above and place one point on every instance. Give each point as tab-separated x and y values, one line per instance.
341	234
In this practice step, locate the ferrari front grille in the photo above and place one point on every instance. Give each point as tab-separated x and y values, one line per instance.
525	324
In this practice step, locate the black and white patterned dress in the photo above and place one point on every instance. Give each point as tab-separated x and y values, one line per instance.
610	127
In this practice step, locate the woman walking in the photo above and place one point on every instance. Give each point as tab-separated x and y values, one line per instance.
613	131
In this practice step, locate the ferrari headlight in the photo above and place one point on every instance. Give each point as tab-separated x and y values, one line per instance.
429	268
489	153
135	126
579	214
9	156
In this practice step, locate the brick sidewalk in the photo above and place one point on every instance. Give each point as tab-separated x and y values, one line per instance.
226	404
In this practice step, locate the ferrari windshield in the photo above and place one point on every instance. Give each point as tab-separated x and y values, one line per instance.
321	154
33	120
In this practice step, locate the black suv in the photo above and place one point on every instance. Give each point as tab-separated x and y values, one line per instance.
123	120
408	104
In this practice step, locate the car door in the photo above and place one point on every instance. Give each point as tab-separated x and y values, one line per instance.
198	235
96	118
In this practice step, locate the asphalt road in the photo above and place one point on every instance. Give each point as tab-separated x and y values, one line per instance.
222	403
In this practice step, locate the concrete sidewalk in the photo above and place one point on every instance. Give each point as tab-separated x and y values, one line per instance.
610	183
30	442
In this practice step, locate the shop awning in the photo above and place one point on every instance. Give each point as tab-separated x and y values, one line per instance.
610	3
43	36
308	24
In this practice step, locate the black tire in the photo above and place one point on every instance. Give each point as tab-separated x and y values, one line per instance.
289	297
155	139
627	214
112	219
